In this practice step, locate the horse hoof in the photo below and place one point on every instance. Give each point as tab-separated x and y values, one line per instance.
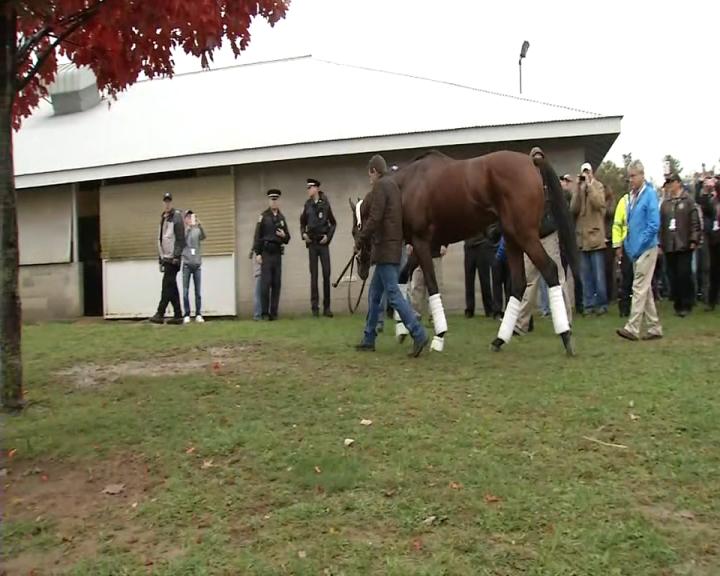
496	345
568	342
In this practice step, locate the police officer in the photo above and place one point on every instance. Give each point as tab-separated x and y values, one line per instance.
317	226
271	234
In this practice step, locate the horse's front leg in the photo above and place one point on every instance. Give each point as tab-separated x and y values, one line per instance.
424	255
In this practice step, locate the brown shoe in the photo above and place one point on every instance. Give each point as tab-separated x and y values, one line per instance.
627	335
652	336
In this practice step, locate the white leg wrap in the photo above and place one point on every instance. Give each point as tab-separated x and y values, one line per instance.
438	314
558	310
400	329
509	319
437	344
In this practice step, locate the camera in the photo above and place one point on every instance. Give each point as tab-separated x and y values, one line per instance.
581	177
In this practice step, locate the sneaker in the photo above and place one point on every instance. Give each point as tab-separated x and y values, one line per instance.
469	314
328	314
364	347
157	319
175	321
199	319
186	320
627	335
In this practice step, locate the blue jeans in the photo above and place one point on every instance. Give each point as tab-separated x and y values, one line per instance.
257	299
544	298
385	281
593	280
191	270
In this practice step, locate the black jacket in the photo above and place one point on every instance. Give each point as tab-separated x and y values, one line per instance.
317	219
266	240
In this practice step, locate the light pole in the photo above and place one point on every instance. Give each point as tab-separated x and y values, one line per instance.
523	53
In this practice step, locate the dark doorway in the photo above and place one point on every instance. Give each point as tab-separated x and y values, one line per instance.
89	250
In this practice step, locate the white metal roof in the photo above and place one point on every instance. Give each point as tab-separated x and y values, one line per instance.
291	108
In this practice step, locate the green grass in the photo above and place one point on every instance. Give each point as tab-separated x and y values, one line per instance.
451	433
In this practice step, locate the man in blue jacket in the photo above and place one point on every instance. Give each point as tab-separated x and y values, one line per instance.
641	245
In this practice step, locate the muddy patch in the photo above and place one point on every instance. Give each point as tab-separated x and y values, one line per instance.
57	514
213	360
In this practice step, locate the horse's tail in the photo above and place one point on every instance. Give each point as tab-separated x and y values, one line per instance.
561	214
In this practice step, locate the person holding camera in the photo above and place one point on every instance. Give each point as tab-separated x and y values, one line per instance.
192	261
317	226
588	206
271	235
171	242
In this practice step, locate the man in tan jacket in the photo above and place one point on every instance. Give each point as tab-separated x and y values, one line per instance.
588	207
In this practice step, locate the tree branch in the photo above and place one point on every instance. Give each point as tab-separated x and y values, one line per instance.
24	51
44	55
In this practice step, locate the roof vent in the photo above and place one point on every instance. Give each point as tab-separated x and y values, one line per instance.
74	90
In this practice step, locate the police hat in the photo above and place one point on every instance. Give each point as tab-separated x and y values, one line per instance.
313	182
274	193
167	196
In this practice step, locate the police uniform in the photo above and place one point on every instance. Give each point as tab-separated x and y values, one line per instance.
316	221
270	246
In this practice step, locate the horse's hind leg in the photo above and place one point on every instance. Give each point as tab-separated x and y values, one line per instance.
421	249
517	288
558	309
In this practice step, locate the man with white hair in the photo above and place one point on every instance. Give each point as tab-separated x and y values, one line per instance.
641	245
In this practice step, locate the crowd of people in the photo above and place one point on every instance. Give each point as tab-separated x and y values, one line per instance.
635	248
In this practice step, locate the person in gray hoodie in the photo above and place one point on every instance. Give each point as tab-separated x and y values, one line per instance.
192	261
171	241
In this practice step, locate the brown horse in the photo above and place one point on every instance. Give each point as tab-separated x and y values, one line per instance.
447	200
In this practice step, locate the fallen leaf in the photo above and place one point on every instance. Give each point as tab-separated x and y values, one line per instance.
267	517
634	417
417	545
44	477
430	520
389	493
207	464
12	452
216	366
631	404
317	470
149	562
687	515
190	450
349	442
366	422
134	505
455	485
491	499
113	489
3	473
302	554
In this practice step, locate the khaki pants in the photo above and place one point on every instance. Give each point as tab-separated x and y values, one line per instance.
551	244
643	303
418	292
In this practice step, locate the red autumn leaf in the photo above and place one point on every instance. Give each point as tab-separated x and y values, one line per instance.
122	39
44	477
455	485
12	452
491	499
417	545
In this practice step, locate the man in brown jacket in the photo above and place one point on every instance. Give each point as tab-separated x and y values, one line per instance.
588	206
383	228
679	236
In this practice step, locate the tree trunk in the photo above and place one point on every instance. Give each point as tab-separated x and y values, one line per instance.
11	392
